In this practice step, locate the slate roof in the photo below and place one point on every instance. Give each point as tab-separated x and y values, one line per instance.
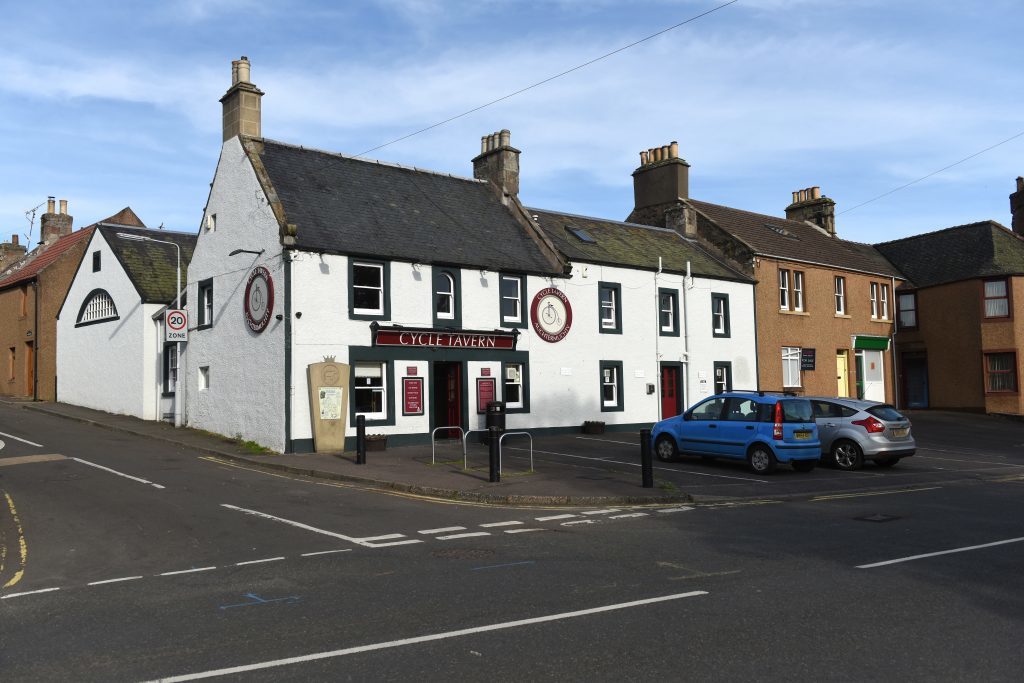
150	265
631	245
353	206
39	258
782	238
963	252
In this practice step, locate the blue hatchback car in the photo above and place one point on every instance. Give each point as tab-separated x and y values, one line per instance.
760	427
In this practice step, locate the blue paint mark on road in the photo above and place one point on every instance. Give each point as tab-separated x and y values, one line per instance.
257	600
498	566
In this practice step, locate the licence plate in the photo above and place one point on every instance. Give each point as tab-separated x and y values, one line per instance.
801	435
901	432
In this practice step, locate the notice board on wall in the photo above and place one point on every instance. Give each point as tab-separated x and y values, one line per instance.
485	393
412	396
806	359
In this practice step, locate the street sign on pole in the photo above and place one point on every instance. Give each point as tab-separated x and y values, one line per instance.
175	326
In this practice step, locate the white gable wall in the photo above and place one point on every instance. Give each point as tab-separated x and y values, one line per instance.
108	365
246	369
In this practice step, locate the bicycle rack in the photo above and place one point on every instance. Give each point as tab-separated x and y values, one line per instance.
433	442
502	438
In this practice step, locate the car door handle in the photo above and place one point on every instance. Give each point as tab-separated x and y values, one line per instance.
750	426
712	426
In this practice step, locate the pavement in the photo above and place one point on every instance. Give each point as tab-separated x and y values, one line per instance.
414	470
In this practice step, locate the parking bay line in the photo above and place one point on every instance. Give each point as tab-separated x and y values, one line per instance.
428	638
941	552
16	438
358	541
120	474
634	464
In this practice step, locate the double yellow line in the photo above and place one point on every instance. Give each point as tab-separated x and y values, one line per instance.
22	547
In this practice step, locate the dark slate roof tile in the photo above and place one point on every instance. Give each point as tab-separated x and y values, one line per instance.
151	265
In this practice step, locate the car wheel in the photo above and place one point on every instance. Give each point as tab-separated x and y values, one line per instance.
804	465
846	455
888	462
761	459
665	448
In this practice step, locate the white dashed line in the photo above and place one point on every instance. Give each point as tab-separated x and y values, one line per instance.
580	521
554	517
126	578
188	571
30	443
678	509
632	514
120	474
492	524
442	530
521	531
469	535
326	552
41	590
268	559
386	537
388	545
599	512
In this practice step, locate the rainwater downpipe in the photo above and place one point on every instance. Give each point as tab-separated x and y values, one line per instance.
687	284
35	346
657	343
287	263
892	345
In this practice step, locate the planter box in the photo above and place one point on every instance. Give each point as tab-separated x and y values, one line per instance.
593	427
376	443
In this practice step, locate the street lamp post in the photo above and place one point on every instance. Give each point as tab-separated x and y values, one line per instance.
177	306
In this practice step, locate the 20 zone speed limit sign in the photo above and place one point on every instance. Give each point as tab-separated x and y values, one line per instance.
176	326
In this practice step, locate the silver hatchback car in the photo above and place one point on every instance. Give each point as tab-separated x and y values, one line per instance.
852	430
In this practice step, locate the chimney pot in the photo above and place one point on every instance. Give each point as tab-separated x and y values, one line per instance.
63	207
483	144
673	150
14	240
795	194
1020	184
243	70
51	205
815	192
643	158
498	162
506	137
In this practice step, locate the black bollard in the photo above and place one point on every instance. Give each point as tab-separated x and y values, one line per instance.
494	433
646	467
360	439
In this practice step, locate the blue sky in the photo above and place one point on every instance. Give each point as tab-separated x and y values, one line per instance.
113	104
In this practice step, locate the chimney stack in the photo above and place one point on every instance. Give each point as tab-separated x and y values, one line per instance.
53	226
661	181
10	252
498	162
1017	207
810	205
241	103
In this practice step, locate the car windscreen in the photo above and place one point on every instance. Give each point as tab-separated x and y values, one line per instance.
797	410
885	412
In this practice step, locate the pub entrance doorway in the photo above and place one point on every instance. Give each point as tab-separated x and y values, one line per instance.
447	397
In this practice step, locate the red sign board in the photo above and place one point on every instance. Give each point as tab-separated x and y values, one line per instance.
412	396
455	339
412	370
485	372
485	388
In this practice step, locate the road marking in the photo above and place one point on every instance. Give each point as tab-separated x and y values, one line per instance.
500	566
975	462
30	443
268	559
683	508
326	552
442	530
365	542
469	535
385	537
188	571
522	531
580	521
124	578
632	514
599	512
624	443
941	552
840	496
553	517
22	546
120	474
427	638
18	595
26	459
493	524
661	469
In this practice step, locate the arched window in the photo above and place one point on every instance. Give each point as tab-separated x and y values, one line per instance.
445	296
98	307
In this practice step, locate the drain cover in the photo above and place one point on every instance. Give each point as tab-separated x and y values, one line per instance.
877	517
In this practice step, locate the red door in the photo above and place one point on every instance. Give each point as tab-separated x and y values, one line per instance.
454	394
669	391
447	410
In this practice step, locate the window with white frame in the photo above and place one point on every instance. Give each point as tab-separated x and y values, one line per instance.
205	303
791	366
908	310
997	300
798	290
840	293
369	390
368	288
611	385
1001	372
883	303
719	315
211	222
513	385
610	310
204	377
444	296
511	290
783	289
170	367
668	312
98	307
874	300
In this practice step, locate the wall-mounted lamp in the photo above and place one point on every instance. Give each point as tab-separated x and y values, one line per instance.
246	251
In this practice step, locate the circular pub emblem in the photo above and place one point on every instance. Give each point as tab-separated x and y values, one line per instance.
259	299
551	315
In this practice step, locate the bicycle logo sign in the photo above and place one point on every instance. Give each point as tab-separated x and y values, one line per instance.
551	315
